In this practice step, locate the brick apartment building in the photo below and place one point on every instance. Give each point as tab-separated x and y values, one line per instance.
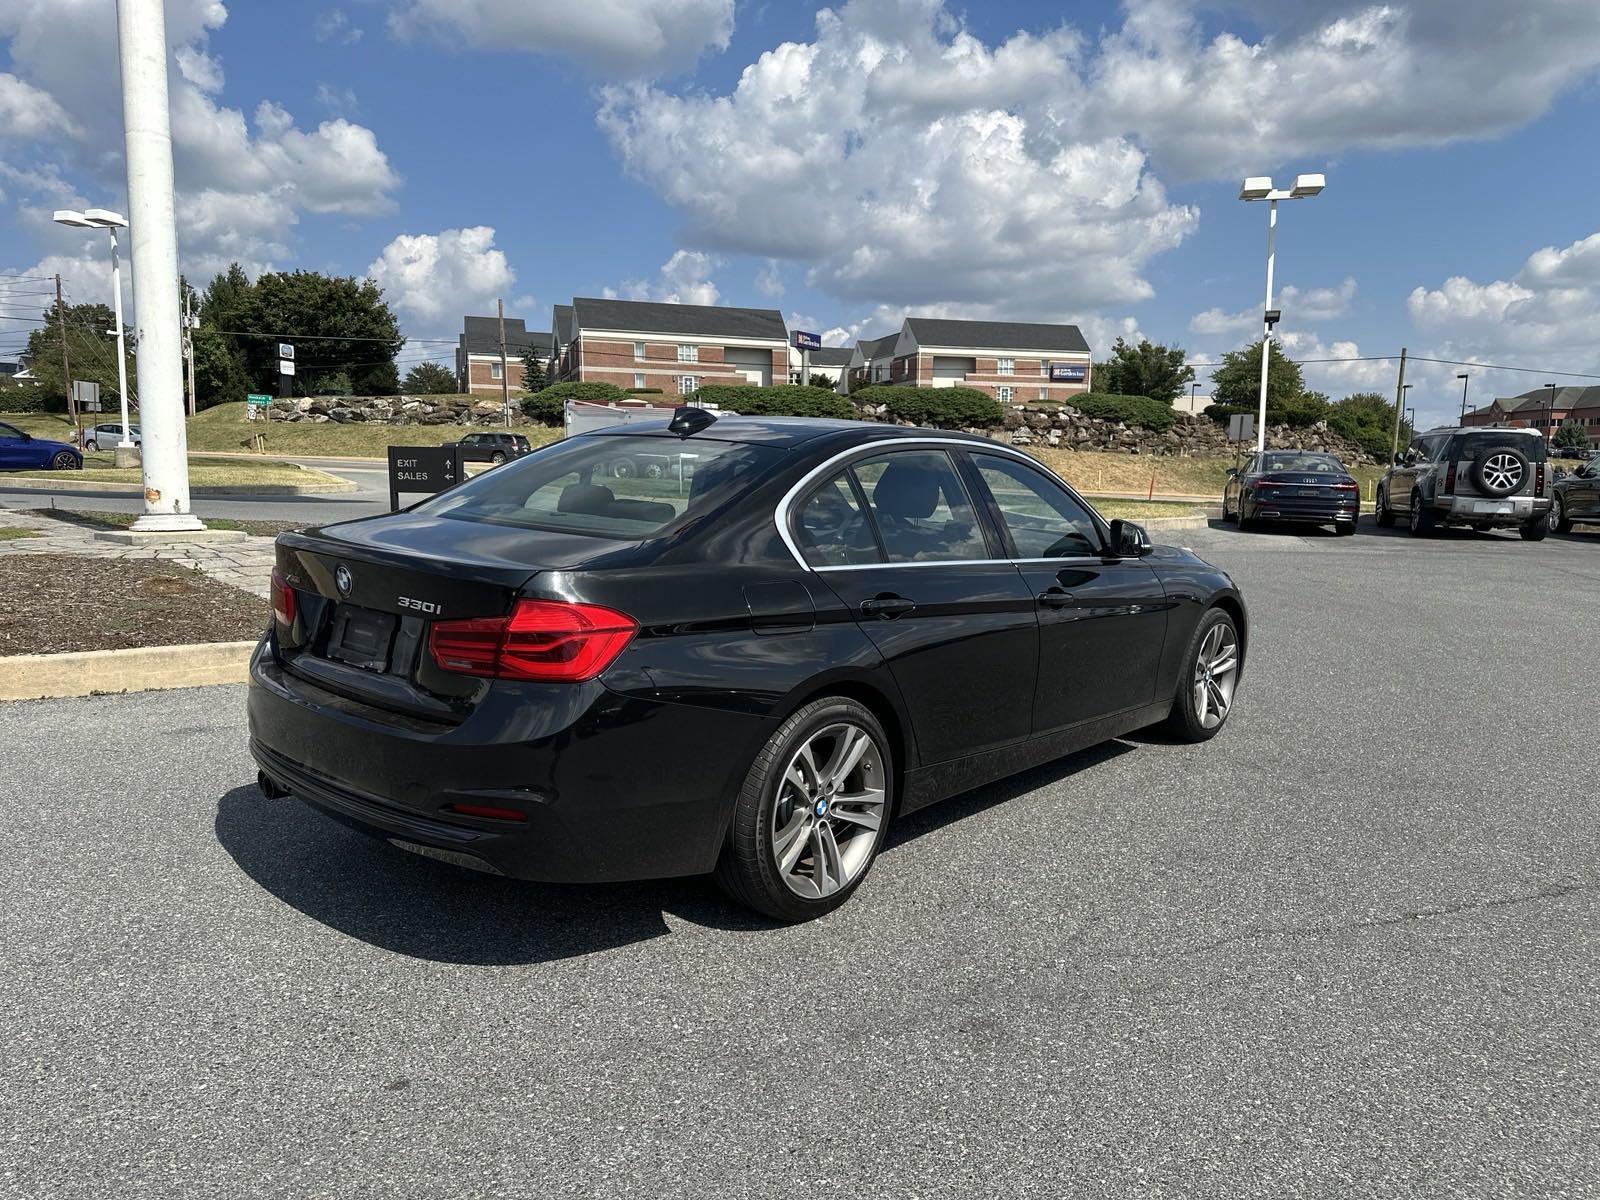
478	353
1015	362
1544	409
676	348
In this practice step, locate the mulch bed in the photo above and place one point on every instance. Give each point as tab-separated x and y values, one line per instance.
61	602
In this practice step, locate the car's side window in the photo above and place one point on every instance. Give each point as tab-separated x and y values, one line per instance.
832	528
921	508
1044	521
7	431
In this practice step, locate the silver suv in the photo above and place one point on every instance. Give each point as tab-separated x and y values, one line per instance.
1484	478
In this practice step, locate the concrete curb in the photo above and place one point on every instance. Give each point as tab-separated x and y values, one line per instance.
1158	524
144	669
68	484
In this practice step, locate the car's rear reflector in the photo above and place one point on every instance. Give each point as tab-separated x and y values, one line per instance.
1450	479
487	810
282	599
548	641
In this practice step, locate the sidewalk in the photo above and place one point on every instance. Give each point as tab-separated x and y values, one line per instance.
246	564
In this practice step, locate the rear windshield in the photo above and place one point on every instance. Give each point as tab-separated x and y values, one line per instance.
1296	461
620	488
1468	446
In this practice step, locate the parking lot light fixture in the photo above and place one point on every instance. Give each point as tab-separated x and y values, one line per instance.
104	218
1259	187
1463	377
1550	411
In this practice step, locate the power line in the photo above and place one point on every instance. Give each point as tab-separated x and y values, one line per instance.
1452	362
339	337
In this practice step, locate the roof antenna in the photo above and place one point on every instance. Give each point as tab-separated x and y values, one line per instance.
688	420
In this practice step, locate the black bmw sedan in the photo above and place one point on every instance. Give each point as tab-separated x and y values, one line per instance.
1292	485
749	665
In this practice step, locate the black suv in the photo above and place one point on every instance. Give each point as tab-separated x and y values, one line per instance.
1483	478
1577	498
493	447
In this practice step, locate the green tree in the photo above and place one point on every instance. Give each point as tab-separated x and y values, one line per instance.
1571	436
534	378
1238	378
91	345
337	324
1159	372
429	379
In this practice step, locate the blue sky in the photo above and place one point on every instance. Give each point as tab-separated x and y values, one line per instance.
1014	159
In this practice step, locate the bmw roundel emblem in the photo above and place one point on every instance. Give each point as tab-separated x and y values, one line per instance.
342	580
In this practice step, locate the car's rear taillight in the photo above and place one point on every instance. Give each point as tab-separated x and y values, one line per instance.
282	599
1450	478
1346	487
548	641
1538	479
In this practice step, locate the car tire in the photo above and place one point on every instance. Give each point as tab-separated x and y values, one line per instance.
1423	520
1201	685
66	460
623	468
497	457
1558	520
1246	524
95	446
1381	512
1344	528
1537	529
784	856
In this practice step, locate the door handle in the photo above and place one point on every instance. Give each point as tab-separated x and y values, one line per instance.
887	607
1056	598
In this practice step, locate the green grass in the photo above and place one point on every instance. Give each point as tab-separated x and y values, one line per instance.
221	473
1144	510
1102	471
11	533
223	429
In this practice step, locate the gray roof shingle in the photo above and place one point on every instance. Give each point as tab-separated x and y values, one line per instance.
689	320
481	335
563	323
997	335
872	348
830	356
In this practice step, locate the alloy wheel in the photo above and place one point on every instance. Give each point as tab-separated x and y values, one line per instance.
1216	671
829	810
1503	473
1555	512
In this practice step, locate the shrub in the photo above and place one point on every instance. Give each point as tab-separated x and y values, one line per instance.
1139	411
1221	412
644	391
543	408
1298	413
784	400
589	393
959	406
27	397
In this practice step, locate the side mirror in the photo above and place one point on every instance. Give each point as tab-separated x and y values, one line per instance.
1129	539
1233	472
1399	460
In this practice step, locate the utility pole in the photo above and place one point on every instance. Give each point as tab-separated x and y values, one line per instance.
66	363
147	132
1399	403
188	342
505	378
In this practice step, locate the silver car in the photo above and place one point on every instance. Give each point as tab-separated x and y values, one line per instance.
1473	476
108	437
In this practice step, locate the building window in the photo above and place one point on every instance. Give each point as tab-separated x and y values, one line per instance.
494	370
687	384
638	350
688	353
1005	366
638	379
1005	394
1044	393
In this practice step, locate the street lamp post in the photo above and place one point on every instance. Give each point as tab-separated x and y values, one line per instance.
1194	389
1259	187
1411	421
104	218
1463	377
1550	413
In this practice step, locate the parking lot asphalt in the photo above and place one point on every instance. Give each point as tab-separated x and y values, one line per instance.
1349	948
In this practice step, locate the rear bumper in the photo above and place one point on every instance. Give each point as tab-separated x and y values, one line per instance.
1306	510
610	787
1519	509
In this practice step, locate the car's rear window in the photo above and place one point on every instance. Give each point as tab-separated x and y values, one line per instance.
1300	461
1469	445
620	488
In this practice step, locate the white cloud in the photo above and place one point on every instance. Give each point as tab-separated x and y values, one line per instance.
242	185
685	278
769	280
1310	304
436	278
28	112
616	38
338	101
334	26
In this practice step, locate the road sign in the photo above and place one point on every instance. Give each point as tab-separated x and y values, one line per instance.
1068	372
423	470
86	395
1242	427
286	366
257	398
285	350
806	341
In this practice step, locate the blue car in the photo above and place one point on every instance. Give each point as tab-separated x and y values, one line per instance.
23	452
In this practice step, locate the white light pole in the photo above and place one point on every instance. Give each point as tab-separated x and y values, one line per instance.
147	136
1259	187
104	218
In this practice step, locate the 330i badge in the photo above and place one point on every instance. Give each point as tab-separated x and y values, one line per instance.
748	663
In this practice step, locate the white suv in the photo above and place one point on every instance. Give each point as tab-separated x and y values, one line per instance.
108	437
